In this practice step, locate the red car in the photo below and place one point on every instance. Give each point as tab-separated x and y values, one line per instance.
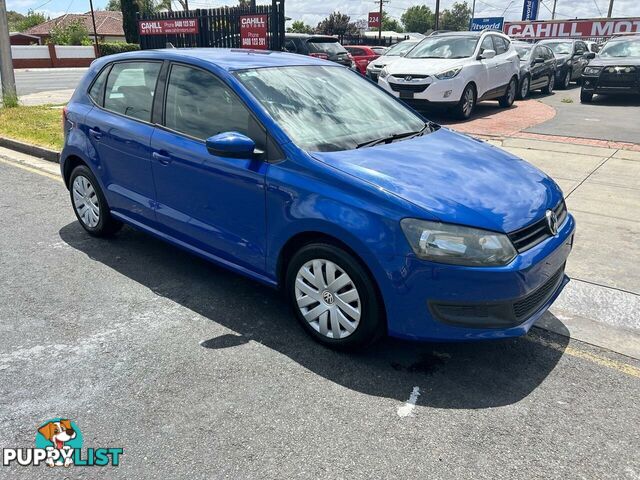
362	56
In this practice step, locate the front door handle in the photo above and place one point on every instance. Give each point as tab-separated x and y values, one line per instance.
163	159
95	133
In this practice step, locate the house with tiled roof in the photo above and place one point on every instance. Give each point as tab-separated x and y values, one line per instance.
108	25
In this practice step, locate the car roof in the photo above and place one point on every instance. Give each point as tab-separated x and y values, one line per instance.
226	58
626	36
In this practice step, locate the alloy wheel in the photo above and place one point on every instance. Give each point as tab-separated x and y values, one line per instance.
524	91
85	201
328	298
552	83
511	94
567	80
467	105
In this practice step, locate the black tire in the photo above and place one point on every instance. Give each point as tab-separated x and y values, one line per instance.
549	88
566	81
465	107
106	224
585	97
524	88
371	324
510	95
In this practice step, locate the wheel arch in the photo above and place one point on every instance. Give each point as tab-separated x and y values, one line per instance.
69	164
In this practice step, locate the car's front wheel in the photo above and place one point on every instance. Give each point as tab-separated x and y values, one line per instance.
524	88
334	297
467	103
549	88
510	95
89	203
566	80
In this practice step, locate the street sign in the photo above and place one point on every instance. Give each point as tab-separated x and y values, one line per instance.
478	24
588	28
168	27
253	32
530	10
374	20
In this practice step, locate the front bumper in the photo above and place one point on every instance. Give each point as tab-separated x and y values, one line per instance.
429	90
598	85
439	302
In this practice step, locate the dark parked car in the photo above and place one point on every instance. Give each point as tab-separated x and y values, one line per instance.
616	69
319	46
570	57
362	55
537	68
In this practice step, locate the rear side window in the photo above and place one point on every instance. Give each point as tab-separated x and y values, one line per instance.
487	44
330	46
358	52
501	44
130	89
96	92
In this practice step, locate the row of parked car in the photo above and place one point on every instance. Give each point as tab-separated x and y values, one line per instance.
459	69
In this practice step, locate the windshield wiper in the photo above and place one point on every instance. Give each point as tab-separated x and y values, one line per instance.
429	126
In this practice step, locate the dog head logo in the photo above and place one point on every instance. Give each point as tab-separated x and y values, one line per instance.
58	433
60	437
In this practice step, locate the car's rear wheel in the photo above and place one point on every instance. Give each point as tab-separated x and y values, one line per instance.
510	95
333	297
566	81
466	105
585	97
89	203
549	88
524	88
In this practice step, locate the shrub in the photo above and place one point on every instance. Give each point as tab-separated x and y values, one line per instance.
117	47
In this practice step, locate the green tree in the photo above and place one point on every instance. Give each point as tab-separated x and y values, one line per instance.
75	33
337	24
13	18
418	18
113	6
31	19
389	23
458	17
299	26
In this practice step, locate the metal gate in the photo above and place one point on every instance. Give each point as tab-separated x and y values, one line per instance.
215	27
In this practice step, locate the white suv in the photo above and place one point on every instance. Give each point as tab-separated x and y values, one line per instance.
459	69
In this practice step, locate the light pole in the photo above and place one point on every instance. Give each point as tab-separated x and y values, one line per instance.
9	95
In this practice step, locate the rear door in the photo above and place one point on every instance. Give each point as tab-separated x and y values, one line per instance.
120	131
488	77
538	70
504	66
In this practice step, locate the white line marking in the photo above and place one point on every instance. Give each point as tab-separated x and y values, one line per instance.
406	410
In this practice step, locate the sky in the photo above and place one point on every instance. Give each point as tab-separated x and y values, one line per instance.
312	11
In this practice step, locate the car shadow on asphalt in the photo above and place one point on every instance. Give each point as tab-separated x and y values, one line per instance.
450	375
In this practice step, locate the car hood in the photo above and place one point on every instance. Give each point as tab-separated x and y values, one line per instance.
611	62
455	178
385	60
428	66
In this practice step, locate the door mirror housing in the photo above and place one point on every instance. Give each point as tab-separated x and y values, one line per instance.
538	60
231	144
589	55
488	54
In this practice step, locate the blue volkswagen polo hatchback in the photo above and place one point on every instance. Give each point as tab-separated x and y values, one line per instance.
301	174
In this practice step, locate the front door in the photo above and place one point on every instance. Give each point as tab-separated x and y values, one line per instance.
213	203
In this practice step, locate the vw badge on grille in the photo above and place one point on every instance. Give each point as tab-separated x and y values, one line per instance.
552	222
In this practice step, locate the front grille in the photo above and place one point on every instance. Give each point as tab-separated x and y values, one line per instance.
408	87
609	78
531	303
537	232
405	75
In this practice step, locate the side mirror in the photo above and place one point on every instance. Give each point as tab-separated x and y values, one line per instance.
578	54
589	55
488	54
538	60
231	144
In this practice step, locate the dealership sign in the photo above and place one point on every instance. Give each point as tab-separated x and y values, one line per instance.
253	31
168	27
374	20
572	28
530	10
494	23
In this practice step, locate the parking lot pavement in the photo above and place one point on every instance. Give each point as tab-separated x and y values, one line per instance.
199	373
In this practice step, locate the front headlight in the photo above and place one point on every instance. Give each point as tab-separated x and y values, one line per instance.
592	70
457	245
384	73
446	75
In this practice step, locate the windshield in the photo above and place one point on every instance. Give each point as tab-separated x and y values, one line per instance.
329	46
560	48
328	108
400	48
524	51
445	47
621	48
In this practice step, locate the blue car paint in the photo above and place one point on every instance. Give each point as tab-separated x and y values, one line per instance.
357	197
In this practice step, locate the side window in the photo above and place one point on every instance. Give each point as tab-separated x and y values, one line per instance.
549	53
501	44
96	92
487	44
200	105
130	89
580	48
290	46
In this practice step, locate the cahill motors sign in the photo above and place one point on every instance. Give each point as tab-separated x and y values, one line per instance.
168	27
592	28
253	31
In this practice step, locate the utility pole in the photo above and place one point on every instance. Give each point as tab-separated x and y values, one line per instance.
553	14
380	24
473	10
610	8
437	25
95	32
186	5
9	96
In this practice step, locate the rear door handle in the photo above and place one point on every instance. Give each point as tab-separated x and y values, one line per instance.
95	133
163	159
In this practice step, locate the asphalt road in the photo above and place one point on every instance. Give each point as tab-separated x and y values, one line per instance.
199	373
38	80
612	118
